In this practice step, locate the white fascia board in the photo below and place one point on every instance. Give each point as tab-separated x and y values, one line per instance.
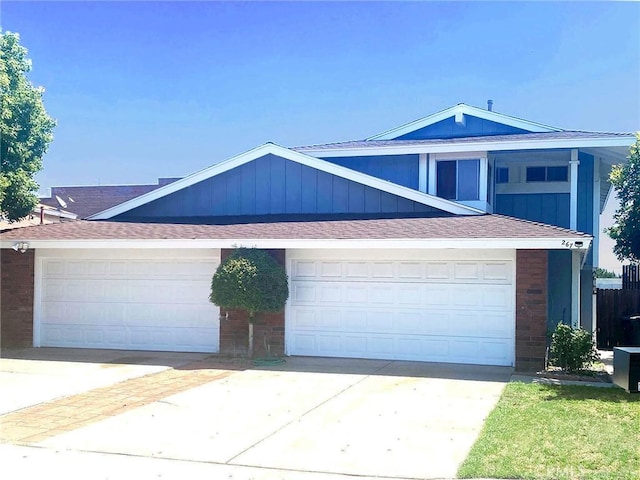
52	212
301	158
568	243
459	111
495	146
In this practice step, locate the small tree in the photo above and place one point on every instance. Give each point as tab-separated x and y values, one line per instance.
626	228
250	280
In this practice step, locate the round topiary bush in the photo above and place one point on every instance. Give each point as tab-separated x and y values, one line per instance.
251	280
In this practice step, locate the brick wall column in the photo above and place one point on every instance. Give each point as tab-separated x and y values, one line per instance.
531	309
268	329
16	298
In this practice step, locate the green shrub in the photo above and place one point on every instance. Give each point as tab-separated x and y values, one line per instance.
250	279
572	349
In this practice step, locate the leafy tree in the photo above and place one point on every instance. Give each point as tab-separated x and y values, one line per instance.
25	130
251	280
626	228
604	273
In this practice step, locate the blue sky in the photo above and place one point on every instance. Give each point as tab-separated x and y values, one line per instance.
157	89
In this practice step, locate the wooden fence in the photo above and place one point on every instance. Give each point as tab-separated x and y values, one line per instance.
614	328
631	277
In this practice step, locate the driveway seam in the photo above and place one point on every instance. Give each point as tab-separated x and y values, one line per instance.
228	462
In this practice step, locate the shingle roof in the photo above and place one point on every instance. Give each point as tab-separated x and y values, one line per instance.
563	135
452	227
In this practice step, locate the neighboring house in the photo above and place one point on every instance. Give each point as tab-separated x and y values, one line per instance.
87	200
40	215
403	246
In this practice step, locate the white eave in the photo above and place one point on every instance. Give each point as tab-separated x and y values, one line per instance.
471	146
459	111
301	158
565	243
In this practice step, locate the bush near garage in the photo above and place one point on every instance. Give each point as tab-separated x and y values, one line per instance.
572	349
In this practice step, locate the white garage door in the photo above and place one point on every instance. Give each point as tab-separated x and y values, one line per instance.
138	300
439	306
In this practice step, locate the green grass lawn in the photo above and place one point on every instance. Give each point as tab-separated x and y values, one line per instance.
559	433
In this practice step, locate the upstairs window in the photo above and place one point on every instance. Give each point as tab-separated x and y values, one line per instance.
547	174
458	179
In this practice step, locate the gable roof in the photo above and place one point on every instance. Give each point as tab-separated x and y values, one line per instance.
459	111
288	154
470	231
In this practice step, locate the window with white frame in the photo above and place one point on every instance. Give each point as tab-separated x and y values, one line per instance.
458	179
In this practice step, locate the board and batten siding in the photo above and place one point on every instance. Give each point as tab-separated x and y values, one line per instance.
473	127
549	208
399	169
273	185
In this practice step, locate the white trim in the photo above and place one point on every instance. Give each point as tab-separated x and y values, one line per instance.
37	299
482	144
301	158
422	172
575	288
566	243
431	159
461	119
573	190
460	110
596	212
475	155
482	188
53	212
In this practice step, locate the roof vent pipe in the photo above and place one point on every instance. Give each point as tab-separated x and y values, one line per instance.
490	105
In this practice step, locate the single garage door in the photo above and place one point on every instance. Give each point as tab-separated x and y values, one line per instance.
440	306
138	300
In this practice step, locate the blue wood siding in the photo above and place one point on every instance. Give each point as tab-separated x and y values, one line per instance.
474	127
559	284
585	198
272	185
400	169
549	208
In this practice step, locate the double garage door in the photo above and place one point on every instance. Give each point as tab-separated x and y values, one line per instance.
430	305
127	299
440	306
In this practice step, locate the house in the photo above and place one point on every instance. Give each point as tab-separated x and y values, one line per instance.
90	199
460	237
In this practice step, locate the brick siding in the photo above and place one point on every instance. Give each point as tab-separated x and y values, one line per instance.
267	328
16	298
531	310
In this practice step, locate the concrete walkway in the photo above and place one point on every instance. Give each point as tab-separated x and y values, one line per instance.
311	418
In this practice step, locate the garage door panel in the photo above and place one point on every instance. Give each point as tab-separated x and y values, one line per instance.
466	271
437	295
445	311
410	295
129	303
410	271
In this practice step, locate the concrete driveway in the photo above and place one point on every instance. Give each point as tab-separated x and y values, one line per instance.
323	418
